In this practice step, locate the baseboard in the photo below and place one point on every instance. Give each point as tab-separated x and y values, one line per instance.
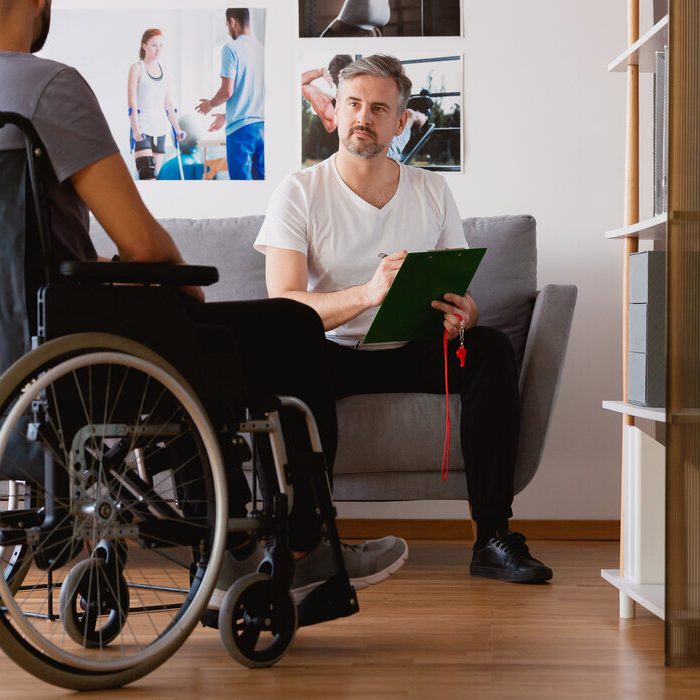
415	529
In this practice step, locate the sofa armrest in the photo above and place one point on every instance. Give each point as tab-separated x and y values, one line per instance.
545	350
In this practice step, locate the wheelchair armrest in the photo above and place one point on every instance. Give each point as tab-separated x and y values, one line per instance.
138	273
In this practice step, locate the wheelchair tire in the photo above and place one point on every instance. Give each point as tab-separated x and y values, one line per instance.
87	593
13	496
254	630
113	502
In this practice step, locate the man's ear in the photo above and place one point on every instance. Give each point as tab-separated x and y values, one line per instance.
402	122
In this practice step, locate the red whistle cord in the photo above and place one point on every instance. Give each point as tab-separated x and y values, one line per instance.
446	445
461	355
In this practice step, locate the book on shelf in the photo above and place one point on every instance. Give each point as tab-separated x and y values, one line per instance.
660	131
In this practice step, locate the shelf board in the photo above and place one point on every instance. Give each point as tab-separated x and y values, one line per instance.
641	53
653	229
631	409
650	596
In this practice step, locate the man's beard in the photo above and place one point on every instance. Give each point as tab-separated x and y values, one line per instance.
45	19
363	149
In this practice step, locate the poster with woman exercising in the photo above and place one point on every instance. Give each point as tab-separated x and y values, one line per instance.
183	90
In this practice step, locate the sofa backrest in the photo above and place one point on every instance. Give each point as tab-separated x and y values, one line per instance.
504	286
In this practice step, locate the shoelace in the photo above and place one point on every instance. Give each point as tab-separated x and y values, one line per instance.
353	547
513	544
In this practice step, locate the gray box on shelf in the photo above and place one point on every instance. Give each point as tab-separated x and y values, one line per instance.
646	371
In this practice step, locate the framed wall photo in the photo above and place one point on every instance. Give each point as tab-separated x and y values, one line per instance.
160	76
432	138
377	18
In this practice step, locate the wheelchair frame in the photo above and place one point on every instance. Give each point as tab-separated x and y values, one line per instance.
107	497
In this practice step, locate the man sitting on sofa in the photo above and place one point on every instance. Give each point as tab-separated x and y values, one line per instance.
89	172
324	230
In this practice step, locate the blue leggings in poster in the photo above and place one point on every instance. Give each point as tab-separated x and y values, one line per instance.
245	152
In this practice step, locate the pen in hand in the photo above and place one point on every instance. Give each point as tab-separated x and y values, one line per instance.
383	255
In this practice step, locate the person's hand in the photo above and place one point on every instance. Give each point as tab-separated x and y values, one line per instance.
218	122
194	292
204	107
383	277
453	307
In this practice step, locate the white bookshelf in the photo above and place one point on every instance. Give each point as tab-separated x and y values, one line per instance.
649	596
631	409
643	51
653	229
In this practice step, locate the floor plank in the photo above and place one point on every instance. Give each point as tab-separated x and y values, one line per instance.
431	631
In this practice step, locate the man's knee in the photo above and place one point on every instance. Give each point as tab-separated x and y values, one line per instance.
489	342
301	317
146	166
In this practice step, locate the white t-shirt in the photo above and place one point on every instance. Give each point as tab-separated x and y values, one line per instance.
315	213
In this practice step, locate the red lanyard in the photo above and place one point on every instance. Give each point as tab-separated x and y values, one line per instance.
461	355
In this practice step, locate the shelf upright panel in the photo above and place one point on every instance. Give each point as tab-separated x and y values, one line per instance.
631	246
682	625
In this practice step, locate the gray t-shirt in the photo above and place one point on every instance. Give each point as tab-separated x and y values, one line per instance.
68	119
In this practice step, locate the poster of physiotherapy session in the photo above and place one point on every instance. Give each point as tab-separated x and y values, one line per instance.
183	90
368	18
432	137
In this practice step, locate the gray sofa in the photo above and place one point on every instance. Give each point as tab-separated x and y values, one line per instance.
390	445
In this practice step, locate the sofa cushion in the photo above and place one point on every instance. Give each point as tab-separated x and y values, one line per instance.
505	285
415	428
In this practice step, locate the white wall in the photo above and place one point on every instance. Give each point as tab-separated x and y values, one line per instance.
544	132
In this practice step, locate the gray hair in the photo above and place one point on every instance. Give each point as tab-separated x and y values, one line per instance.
381	66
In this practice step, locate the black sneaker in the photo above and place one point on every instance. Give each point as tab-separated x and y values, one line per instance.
507	558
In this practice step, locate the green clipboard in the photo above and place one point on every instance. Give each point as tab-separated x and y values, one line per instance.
405	313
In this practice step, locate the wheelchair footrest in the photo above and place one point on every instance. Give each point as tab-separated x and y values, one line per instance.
333	599
210	618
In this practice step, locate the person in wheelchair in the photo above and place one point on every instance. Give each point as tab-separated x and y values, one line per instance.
89	174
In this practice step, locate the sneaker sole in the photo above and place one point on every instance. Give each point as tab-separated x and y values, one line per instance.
512	577
357	583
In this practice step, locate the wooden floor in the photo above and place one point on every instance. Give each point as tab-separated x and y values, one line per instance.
433	632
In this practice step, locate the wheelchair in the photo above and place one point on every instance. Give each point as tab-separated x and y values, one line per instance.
121	437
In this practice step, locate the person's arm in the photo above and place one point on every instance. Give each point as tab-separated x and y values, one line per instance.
307	77
415	117
223	94
132	99
218	122
286	275
322	104
109	192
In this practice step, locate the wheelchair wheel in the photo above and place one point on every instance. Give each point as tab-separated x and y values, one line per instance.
255	629
133	467
14	497
91	614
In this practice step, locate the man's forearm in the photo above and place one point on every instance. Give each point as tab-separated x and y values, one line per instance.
334	308
220	97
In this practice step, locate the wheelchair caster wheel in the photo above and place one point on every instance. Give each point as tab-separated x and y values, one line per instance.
255	630
87	596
